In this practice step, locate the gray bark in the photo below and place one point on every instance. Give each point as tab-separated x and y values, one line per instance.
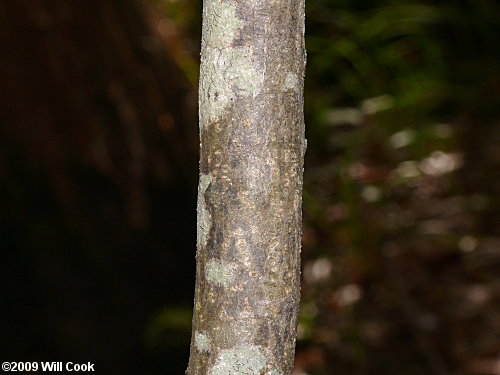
250	191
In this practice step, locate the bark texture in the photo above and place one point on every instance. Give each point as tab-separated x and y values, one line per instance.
250	190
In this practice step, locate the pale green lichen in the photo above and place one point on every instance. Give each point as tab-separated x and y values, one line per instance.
291	82
240	69
274	372
218	273
202	342
242	360
220	24
204	218
226	70
226	73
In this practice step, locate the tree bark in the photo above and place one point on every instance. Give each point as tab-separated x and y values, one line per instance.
250	191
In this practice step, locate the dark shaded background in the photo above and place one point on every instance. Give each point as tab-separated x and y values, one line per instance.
98	169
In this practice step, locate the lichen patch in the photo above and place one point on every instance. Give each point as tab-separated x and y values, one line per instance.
204	217
218	273
242	360
291	82
274	372
202	342
220	23
226	70
225	74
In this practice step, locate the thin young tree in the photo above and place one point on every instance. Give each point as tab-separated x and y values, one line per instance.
250	189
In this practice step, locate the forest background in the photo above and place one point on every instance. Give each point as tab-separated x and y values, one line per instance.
99	164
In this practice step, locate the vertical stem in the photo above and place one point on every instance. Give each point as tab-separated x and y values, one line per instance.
250	192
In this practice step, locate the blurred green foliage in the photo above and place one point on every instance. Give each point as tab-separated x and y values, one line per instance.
168	328
402	108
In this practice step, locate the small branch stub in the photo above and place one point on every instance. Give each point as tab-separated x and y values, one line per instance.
250	190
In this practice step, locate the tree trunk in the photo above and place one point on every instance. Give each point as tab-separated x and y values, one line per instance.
249	196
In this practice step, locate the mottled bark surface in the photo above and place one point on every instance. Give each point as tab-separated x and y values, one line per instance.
250	191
